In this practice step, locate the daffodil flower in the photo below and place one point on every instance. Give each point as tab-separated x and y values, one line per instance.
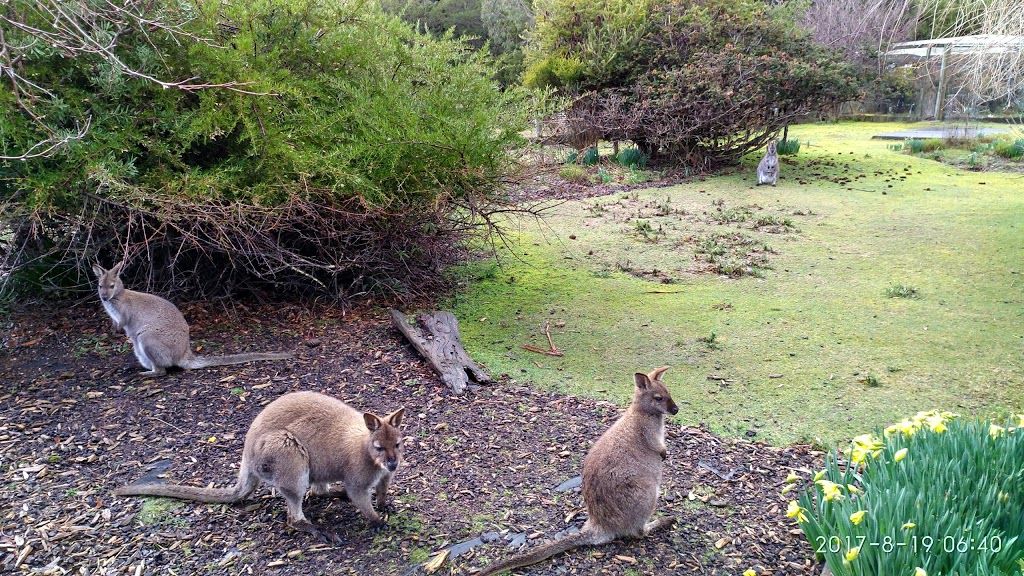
852	553
996	431
909	526
795	511
853	489
920	572
831	490
820	474
857	516
900	454
793	477
749	572
787	488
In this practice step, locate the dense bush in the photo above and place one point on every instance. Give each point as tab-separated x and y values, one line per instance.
315	146
932	495
701	81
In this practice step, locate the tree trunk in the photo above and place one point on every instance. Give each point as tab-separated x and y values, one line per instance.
436	337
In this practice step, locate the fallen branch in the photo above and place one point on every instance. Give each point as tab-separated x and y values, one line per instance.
436	337
551	343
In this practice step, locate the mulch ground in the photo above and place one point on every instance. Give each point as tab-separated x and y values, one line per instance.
76	421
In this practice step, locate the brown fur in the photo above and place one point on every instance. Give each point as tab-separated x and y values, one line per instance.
621	476
307	440
158	331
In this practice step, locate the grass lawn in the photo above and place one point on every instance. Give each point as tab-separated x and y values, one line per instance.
773	305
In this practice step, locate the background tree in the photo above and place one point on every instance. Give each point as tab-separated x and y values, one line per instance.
700	81
307	146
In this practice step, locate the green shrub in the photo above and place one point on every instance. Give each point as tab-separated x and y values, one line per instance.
574	173
591	156
1010	150
932	144
933	493
341	153
788	147
900	290
604	176
631	158
915	145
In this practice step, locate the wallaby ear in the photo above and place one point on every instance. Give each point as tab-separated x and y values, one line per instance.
395	418
98	270
372	422
116	270
657	372
641	380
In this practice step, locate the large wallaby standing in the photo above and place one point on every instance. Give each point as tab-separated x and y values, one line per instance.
158	331
621	476
768	168
304	440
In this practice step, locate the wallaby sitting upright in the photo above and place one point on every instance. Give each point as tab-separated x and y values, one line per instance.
768	168
621	476
304	440
158	331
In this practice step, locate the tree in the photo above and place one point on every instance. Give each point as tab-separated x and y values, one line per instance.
305	146
701	81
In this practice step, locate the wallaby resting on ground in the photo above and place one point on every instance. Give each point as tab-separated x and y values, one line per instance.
621	477
304	440
768	168
158	331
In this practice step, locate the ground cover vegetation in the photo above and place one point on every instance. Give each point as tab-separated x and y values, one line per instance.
868	285
301	146
993	152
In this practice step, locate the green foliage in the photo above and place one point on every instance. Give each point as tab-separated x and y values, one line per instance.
631	158
505	22
591	156
554	71
932	144
343	148
787	147
1010	150
900	290
914	145
574	173
934	492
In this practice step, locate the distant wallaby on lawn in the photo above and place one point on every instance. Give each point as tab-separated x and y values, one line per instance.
158	331
303	440
621	477
768	168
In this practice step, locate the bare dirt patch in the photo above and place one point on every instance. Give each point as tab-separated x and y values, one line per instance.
76	421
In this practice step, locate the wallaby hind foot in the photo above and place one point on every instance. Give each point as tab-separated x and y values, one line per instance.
158	331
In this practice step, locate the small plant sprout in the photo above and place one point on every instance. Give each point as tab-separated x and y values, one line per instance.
902	291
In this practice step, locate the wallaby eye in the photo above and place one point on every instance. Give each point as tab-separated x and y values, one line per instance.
658	398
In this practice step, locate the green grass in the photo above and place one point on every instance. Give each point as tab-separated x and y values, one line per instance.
793	346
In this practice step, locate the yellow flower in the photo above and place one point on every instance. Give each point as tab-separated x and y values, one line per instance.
909	526
1003	497
820	474
857	516
1020	420
793	477
920	572
787	488
749	572
996	431
852	553
900	454
831	490
853	489
795	511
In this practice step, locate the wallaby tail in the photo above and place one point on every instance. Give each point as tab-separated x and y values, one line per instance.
245	485
582	538
207	361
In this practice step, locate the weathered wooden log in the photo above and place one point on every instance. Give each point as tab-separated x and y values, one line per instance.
436	337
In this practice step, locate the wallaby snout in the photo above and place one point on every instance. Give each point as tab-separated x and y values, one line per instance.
392	464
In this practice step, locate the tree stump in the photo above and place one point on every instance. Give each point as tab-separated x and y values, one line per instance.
436	337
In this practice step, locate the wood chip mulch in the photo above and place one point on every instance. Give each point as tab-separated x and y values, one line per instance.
76	421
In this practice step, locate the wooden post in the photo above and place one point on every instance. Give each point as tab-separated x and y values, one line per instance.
436	337
941	92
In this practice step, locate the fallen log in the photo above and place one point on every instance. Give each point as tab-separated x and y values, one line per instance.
436	337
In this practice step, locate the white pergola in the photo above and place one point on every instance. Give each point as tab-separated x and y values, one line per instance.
981	44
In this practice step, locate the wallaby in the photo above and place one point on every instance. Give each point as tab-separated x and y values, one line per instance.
621	477
304	440
768	168
158	331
